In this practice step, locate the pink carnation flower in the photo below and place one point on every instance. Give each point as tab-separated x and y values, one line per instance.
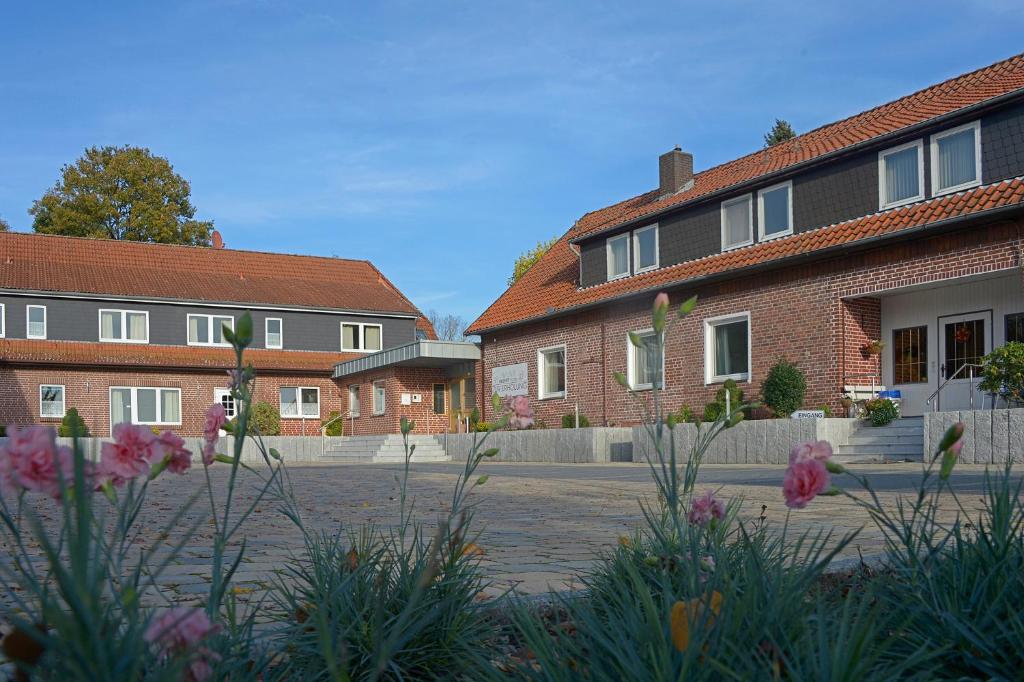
522	413
30	459
705	508
174	448
820	450
805	479
132	453
180	629
216	417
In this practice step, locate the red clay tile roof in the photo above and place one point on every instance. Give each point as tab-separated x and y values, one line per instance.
423	324
140	270
549	286
80	353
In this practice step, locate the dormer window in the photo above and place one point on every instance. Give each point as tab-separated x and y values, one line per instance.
900	175
737	222
956	159
645	249
775	211
618	256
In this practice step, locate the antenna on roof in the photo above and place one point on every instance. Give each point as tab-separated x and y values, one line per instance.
218	241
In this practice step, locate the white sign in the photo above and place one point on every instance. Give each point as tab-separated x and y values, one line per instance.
407	399
808	414
417	397
509	380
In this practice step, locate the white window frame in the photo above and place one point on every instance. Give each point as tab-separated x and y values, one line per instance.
373	397
882	205
710	324
63	401
218	398
209	329
3	320
124	325
362	336
28	321
631	363
609	259
135	402
358	410
749	198
761	236
541	394
636	249
934	155
266	333
298	402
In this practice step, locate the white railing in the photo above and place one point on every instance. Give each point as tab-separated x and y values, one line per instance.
936	396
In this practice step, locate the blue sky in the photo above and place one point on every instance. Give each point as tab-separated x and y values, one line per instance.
437	139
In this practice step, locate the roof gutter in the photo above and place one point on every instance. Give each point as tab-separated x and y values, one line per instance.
808	163
819	254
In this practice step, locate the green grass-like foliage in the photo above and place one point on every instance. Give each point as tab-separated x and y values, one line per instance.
569	421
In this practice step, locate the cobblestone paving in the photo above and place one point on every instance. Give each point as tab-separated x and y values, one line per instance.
540	525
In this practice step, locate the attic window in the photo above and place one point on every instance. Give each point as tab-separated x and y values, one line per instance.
618	256
900	175
737	222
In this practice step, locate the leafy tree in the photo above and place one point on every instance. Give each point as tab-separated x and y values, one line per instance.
780	132
527	259
784	388
121	193
448	327
4	226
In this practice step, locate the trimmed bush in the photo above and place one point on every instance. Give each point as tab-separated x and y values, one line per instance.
569	421
72	425
265	417
334	428
784	388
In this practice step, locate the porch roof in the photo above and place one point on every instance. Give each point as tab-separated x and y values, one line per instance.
423	353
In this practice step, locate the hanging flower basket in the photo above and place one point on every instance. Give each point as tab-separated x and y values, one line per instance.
873	347
962	334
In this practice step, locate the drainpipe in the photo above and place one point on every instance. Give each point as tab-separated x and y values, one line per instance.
604	378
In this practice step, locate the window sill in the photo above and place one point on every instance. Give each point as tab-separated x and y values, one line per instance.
124	341
612	278
733	247
649	268
956	188
209	345
304	416
553	396
738	378
357	350
379	414
775	235
901	202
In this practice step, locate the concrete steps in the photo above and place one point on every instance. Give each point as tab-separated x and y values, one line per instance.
389	448
900	441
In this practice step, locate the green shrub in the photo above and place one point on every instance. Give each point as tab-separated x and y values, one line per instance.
881	411
714	410
685	415
1003	373
483	427
72	425
569	421
784	388
265	418
335	426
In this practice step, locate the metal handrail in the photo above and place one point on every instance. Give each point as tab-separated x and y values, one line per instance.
936	395
323	431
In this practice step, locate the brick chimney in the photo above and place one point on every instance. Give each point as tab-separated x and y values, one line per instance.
675	171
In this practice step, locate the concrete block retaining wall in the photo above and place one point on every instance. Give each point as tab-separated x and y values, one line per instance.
765	441
566	446
990	436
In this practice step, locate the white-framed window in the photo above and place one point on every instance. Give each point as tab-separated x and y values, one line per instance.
775	211
956	158
3	320
274	333
617	250
224	397
379	397
551	372
208	330
35	322
737	222
727	348
901	175
360	336
124	326
645	249
642	363
353	400
51	401
145	405
300	402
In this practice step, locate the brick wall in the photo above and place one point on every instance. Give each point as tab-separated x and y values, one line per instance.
88	392
803	313
397	380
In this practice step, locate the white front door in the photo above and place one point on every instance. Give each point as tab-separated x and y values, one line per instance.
223	396
963	341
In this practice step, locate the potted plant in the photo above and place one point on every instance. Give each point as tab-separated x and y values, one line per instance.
873	347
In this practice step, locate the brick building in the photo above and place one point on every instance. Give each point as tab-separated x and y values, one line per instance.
903	224
125	331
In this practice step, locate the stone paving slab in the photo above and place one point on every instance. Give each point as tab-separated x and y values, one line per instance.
540	525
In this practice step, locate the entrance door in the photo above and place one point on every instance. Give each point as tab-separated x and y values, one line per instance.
963	341
461	402
223	396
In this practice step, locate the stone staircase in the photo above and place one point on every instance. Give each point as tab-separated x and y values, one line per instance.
366	449
900	441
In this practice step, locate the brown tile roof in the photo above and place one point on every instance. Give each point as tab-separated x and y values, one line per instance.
80	353
424	325
140	270
550	285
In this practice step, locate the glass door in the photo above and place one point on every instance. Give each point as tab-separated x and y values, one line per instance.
963	341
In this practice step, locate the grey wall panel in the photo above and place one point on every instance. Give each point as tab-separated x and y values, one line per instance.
1002	144
693	234
73	319
594	268
837	192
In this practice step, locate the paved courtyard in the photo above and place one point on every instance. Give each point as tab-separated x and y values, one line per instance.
541	524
